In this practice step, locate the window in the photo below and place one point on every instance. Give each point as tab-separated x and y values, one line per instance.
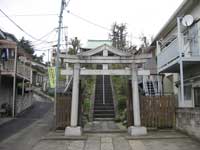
197	97
187	92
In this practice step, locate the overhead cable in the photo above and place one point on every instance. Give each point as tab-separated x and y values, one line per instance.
17	25
31	15
88	21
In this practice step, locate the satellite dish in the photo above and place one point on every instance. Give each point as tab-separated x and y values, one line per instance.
187	20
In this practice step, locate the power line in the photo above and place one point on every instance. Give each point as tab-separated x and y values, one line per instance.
88	21
17	25
47	34
44	43
67	3
31	15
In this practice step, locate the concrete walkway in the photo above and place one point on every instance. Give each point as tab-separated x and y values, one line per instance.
93	141
115	140
119	141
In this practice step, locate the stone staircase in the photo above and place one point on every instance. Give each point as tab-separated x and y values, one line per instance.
103	109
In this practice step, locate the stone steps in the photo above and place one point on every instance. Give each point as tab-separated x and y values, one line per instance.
104	115
103	111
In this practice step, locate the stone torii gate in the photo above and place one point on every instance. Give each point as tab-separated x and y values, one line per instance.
92	57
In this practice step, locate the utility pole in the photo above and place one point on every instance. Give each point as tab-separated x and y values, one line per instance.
63	4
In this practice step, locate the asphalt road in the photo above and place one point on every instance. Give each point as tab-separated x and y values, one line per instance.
27	128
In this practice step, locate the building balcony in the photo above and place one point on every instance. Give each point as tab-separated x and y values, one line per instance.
168	59
23	71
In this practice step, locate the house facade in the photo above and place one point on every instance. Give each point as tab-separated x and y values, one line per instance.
178	59
40	76
15	76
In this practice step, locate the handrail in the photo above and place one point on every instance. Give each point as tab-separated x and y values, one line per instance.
164	49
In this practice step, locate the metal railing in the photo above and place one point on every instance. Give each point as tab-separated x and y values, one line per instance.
22	69
168	54
190	48
7	66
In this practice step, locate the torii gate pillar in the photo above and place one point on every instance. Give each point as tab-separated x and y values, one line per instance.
74	129
136	129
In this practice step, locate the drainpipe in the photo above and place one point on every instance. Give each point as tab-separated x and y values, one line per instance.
181	102
14	83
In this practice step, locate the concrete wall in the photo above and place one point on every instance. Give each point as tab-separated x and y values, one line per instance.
168	84
188	120
6	92
151	65
25	101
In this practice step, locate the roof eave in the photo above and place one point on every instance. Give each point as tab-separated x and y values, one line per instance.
171	23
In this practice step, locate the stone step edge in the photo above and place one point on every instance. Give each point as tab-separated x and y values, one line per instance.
103	119
105	131
148	137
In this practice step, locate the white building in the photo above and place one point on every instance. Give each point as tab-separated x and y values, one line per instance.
178	58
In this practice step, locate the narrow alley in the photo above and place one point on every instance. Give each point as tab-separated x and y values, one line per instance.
26	129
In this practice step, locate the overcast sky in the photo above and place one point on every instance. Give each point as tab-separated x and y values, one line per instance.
39	17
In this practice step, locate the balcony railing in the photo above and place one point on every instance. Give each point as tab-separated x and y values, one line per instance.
190	47
168	54
23	70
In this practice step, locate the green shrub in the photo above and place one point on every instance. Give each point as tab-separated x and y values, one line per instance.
121	103
86	105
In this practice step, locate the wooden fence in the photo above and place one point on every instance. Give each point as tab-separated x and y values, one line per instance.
63	109
155	111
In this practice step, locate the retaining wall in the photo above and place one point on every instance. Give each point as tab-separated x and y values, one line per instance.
188	120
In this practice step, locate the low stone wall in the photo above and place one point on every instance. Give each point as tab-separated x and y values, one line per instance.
188	120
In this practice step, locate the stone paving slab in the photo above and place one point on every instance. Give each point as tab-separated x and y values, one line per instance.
120	143
107	146
167	134
76	145
171	144
106	140
93	143
137	145
51	145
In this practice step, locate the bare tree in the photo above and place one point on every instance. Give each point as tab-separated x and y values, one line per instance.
75	43
118	36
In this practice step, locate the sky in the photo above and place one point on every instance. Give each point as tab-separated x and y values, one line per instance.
88	19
